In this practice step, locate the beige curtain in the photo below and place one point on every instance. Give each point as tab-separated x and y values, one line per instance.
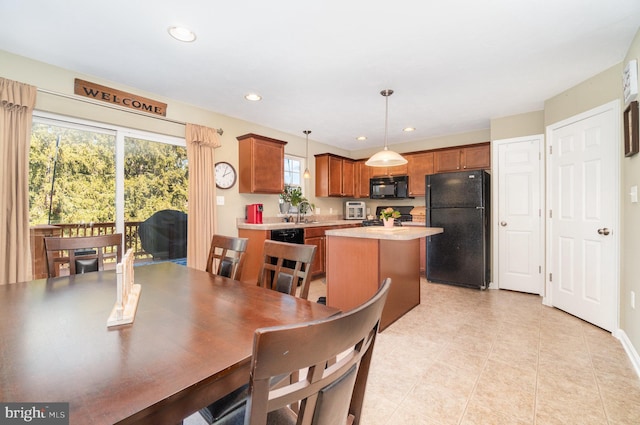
17	101
201	221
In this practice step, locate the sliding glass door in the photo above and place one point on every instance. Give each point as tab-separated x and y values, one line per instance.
89	178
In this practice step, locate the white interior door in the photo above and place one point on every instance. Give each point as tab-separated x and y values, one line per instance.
519	217
583	215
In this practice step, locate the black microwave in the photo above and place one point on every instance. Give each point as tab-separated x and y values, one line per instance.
393	187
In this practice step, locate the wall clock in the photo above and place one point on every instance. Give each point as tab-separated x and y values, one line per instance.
225	175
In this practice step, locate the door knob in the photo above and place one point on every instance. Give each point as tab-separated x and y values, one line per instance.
503	223
603	231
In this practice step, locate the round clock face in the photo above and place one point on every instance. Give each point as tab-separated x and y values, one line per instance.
225	175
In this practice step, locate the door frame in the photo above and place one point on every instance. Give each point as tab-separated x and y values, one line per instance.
610	106
495	144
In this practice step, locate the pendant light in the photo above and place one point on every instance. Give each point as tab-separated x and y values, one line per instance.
307	174
386	158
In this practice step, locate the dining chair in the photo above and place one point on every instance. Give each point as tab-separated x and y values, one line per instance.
82	254
334	355
226	256
286	266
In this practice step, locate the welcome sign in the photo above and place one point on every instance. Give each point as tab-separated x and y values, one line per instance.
117	97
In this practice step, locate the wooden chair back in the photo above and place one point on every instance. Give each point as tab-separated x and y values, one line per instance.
336	355
226	256
82	254
286	266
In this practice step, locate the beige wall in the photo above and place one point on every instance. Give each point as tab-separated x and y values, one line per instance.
517	125
596	91
51	78
630	244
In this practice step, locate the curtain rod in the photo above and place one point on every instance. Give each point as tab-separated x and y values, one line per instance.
220	131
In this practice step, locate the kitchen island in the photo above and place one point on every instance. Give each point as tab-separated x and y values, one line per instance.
358	259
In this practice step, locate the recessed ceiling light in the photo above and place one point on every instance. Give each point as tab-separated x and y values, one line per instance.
361	138
254	97
182	34
409	129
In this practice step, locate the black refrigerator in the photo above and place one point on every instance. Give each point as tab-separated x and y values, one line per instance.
459	203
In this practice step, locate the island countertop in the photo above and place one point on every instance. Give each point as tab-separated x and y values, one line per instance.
401	233
275	225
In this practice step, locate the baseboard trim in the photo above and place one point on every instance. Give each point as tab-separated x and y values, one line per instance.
630	349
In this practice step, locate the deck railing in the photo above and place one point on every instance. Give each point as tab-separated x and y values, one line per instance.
131	235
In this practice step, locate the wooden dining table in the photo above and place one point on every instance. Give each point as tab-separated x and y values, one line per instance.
190	343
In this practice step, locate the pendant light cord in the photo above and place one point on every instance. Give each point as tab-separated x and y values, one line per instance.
386	93
386	118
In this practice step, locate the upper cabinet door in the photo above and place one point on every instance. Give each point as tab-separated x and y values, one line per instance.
471	157
335	176
260	164
363	174
348	178
476	157
447	160
418	166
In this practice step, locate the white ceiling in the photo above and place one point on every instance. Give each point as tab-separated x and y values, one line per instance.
320	65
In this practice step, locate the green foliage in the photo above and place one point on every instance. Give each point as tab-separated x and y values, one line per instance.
293	194
156	176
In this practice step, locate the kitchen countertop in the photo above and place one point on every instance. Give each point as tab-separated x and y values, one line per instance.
285	225
381	232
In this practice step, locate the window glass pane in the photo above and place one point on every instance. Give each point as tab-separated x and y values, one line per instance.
71	175
92	180
156	188
292	171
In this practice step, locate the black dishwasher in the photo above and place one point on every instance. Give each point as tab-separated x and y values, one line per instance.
288	235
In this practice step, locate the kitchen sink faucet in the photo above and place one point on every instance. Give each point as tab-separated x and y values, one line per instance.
300	209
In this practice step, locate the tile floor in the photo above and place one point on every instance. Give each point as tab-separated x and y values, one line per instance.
469	357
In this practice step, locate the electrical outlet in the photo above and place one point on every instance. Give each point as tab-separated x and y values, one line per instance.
633	299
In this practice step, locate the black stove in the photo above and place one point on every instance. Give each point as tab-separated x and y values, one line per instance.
405	215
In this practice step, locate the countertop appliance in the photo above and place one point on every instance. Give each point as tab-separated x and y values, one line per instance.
459	203
405	215
392	187
355	210
253	213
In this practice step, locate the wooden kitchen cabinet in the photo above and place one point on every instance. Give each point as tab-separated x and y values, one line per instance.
363	174
477	157
419	165
260	164
471	157
396	170
335	176
447	160
315	236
